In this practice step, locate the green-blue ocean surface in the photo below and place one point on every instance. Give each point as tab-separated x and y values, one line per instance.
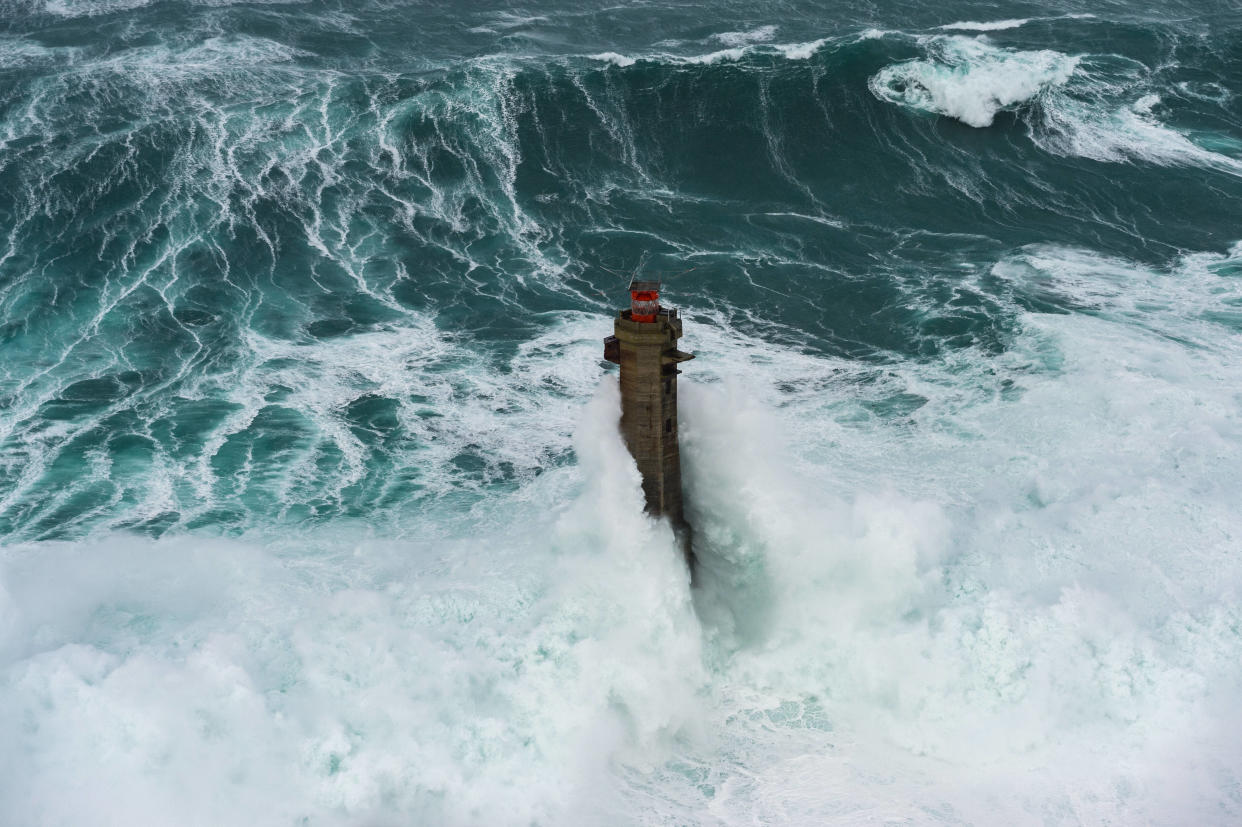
313	506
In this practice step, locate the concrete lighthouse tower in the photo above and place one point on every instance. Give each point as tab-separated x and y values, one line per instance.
644	344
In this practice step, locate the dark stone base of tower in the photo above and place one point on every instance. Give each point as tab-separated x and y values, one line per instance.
644	344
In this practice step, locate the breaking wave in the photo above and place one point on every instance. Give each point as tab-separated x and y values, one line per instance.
547	660
1075	104
971	80
313	507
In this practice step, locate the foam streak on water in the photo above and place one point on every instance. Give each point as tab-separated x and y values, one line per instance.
313	506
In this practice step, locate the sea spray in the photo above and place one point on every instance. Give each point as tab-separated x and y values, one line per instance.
971	80
312	505
309	664
1082	105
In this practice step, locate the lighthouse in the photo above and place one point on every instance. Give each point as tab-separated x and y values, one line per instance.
644	344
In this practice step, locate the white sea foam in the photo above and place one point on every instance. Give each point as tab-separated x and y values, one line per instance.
615	59
1102	130
90	8
1002	25
1028	582
540	393
800	51
1190	303
1026	616
19	52
762	34
360	680
1081	110
991	26
707	59
508	21
160	66
1206	91
299	139
971	80
790	51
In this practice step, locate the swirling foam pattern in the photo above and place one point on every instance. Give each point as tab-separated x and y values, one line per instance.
313	508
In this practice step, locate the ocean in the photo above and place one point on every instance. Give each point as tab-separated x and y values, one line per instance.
313	504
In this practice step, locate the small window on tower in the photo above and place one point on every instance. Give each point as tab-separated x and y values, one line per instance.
668	385
668	426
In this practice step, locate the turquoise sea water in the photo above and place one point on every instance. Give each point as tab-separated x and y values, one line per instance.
312	504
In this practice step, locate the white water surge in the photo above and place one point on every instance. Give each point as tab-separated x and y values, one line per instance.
1076	105
971	80
1016	603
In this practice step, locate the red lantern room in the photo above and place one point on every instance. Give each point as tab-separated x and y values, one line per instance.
644	300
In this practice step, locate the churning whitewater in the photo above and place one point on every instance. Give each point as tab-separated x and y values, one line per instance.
314	508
